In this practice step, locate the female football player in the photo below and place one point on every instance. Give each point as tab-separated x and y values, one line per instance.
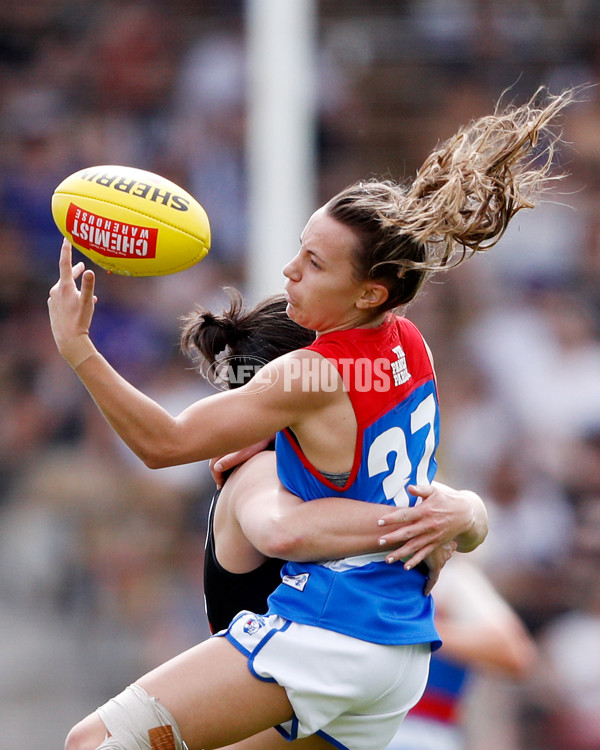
343	651
245	540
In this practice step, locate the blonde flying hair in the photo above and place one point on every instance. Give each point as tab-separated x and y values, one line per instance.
460	201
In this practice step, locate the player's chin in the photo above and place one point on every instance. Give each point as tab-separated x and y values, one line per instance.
291	311
295	313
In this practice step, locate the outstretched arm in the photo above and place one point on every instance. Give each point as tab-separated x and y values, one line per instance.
212	426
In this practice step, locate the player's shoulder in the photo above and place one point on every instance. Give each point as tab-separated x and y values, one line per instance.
303	375
407	329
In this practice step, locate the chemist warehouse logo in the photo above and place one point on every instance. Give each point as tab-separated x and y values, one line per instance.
112	239
312	374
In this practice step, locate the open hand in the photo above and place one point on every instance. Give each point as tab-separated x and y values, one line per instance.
71	310
419	531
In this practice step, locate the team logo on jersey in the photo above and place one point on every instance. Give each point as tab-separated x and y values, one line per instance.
254	623
399	368
296	582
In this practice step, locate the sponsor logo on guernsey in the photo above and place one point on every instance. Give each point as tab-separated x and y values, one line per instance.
296	582
253	623
113	239
399	368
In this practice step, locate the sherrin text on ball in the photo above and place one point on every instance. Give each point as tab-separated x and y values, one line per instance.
130	221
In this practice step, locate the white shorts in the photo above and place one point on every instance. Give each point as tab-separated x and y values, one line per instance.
351	692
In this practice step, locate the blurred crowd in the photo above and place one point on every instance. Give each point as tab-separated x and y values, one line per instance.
100	558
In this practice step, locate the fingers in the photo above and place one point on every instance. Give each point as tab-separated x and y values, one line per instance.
77	270
415	512
395	517
408	515
407	528
220	466
218	474
65	262
414	541
413	552
421	490
231	460
432	579
418	556
435	563
66	268
88	281
67	271
407	535
411	540
404	524
224	462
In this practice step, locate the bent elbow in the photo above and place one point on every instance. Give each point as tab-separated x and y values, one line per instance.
153	459
162	453
280	541
276	546
153	462
518	655
524	660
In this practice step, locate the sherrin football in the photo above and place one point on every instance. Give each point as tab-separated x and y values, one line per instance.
131	222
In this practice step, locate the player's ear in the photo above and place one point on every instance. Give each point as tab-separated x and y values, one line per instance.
373	295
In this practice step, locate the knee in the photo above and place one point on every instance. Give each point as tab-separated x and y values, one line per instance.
87	735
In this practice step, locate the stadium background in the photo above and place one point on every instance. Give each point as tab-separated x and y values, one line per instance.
100	559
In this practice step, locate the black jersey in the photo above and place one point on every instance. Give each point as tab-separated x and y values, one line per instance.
226	593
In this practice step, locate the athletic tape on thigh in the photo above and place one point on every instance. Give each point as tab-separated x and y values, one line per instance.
136	721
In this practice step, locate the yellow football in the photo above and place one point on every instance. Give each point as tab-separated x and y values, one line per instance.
130	221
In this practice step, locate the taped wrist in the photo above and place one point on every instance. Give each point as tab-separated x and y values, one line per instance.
76	352
137	721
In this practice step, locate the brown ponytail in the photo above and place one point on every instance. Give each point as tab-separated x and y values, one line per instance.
244	339
461	200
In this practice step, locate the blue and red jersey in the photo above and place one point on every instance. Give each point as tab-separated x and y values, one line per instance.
445	688
388	375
